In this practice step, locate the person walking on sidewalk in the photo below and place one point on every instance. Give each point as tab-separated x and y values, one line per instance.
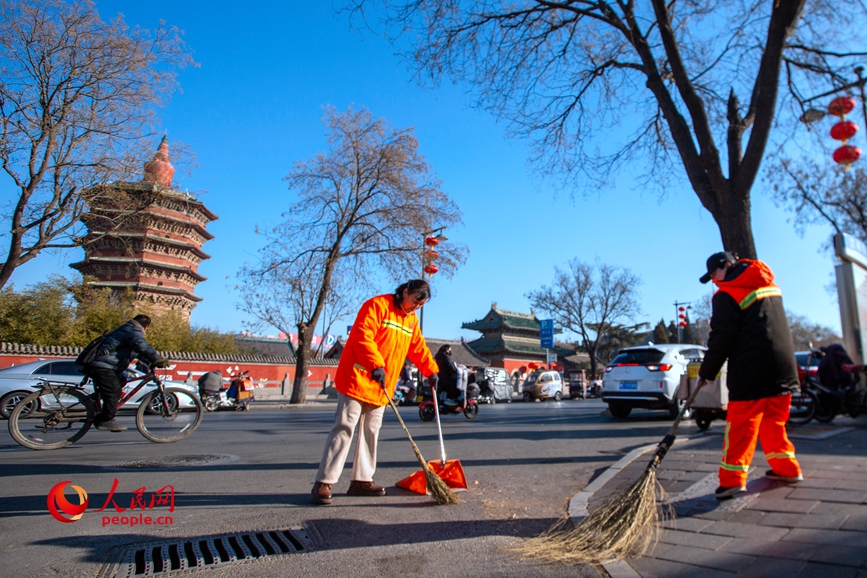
120	348
749	329
385	333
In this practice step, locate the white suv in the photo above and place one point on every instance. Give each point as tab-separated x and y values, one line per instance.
647	377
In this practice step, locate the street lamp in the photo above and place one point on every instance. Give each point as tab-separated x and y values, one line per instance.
428	256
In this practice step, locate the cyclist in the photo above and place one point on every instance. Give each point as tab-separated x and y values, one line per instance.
120	348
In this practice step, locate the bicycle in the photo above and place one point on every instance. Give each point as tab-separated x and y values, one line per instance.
59	414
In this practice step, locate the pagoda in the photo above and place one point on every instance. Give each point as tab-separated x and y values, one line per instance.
147	237
511	340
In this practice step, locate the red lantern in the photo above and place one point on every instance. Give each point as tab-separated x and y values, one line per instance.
432	241
844	130
431	255
431	269
846	155
841	106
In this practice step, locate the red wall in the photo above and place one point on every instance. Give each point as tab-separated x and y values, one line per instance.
259	372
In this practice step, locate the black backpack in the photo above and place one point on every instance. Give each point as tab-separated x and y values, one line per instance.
90	351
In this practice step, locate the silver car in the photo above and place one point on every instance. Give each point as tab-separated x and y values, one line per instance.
647	377
19	381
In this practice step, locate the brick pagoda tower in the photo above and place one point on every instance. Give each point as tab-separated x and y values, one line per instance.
147	237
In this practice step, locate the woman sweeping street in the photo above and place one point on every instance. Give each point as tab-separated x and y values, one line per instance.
385	333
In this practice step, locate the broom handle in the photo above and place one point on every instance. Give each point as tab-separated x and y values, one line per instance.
668	440
436	403
415	449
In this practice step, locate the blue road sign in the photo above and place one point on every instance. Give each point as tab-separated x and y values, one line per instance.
546	333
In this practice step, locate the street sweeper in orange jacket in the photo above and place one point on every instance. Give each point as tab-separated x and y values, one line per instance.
385	334
749	329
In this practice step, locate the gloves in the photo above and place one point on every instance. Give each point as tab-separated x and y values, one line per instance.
160	363
432	380
378	374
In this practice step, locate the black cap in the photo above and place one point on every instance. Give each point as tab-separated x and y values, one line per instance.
717	261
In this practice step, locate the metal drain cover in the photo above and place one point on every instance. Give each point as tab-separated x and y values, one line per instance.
176	461
162	558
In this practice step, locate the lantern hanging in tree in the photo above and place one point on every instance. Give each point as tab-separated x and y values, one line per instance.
843	131
431	269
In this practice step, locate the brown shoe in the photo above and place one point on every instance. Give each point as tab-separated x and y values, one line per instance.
365	489
321	493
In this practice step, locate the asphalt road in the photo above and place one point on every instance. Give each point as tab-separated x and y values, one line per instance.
244	472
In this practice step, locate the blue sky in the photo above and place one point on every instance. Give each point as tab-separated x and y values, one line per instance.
255	105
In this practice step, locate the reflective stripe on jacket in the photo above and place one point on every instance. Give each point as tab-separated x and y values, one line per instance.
384	336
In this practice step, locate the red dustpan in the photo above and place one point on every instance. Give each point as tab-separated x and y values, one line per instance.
450	471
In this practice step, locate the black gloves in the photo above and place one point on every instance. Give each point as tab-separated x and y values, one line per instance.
432	380
378	374
160	363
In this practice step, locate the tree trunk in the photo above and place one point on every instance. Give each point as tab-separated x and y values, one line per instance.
302	366
735	226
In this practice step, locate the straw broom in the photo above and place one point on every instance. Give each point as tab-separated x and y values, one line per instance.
435	485
627	525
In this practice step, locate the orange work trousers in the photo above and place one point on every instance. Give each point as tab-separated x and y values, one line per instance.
762	419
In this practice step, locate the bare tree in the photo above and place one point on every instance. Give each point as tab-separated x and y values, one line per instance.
819	194
590	301
806	332
363	207
596	84
77	98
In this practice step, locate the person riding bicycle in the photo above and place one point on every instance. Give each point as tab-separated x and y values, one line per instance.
120	348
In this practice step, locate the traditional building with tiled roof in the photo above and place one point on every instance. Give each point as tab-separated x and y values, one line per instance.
511	340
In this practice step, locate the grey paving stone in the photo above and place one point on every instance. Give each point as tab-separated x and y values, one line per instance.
857	522
828	537
852	485
772	568
693	476
687	524
701	541
811	520
659	548
709	467
828	495
825	571
840	555
656	568
738	530
749	517
708	559
766	549
835	509
782	505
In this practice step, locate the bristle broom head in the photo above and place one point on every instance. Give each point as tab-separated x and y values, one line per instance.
627	525
439	490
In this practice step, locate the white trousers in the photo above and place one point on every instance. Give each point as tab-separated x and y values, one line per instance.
349	414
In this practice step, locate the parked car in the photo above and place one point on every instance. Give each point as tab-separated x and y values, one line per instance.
542	385
647	377
18	381
804	357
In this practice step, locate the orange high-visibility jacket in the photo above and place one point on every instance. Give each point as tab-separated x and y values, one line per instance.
384	336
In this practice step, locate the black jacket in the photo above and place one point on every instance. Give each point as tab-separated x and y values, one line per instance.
752	332
122	345
448	374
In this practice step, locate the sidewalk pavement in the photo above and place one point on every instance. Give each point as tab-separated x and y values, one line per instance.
817	527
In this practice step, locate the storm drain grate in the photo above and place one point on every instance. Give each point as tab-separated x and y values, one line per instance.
162	558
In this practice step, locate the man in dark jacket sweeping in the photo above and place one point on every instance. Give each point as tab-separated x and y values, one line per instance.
120	348
749	329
